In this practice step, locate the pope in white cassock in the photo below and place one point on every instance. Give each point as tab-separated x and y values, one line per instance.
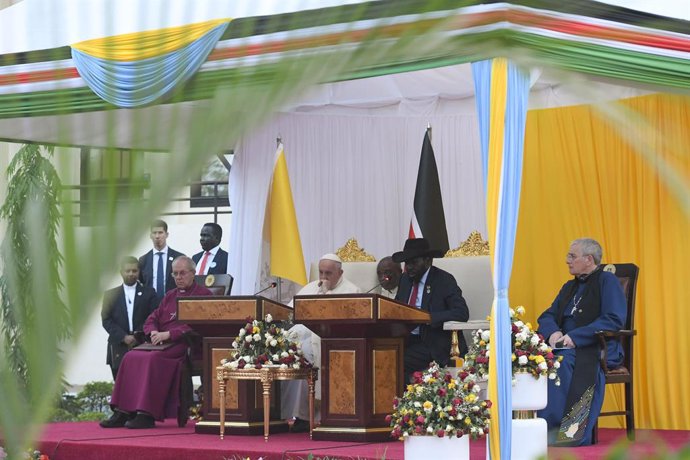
294	393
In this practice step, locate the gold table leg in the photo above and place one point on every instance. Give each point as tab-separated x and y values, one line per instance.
267	381
221	391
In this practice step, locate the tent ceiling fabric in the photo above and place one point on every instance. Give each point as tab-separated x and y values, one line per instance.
41	90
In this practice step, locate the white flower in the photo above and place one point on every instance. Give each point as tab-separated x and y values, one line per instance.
242	332
552	376
257	337
417	404
429	429
520	310
269	318
519	324
543	366
274	342
248	339
449	427
522	360
295	365
255	323
534	340
284	354
283	366
235	344
233	365
556	364
275	357
268	336
486	335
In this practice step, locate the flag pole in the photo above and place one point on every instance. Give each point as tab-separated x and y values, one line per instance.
279	296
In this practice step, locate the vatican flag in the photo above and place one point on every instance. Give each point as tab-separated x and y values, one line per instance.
286	260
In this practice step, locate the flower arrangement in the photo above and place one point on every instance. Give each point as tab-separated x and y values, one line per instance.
264	343
531	353
438	404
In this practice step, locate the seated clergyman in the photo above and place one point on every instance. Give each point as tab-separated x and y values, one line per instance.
295	393
147	384
592	301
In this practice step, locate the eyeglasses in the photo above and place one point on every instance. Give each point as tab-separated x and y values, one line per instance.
180	273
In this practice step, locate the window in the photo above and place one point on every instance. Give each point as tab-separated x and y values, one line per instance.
211	187
100	169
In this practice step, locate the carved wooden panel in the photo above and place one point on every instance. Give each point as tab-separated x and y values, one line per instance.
391	310
385	382
334	308
341	381
215	309
231	388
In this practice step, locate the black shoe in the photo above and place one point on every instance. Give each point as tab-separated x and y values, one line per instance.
141	421
299	426
117	420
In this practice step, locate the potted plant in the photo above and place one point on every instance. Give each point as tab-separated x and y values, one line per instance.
438	413
265	343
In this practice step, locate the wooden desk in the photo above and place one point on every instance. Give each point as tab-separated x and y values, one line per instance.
267	375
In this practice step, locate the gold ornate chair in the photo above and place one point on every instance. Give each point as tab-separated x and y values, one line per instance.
627	275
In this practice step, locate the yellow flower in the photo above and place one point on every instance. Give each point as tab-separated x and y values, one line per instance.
410	387
432	380
482	343
539	359
471	397
428	405
468	421
531	357
256	330
451	384
513	357
517	344
442	415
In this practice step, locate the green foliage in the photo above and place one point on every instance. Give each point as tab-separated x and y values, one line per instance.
92	403
95	396
31	210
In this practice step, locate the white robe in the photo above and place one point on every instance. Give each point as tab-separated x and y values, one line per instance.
294	394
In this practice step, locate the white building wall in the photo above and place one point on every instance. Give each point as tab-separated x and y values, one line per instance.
86	361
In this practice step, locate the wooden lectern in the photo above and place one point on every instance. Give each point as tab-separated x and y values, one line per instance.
218	320
362	346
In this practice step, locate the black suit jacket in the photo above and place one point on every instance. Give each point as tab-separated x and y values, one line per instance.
442	298
146	269
115	320
220	261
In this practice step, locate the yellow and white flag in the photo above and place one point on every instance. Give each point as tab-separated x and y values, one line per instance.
287	260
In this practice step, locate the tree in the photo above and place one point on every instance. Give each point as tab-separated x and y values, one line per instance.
31	210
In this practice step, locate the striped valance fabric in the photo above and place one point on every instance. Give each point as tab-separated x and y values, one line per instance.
582	36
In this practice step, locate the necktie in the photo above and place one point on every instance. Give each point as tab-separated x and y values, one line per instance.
202	267
160	276
413	296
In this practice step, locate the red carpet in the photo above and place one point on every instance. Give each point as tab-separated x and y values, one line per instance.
86	440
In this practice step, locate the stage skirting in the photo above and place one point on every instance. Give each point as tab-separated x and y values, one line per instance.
86	440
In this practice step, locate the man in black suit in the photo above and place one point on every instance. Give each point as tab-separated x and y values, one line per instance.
436	291
158	259
125	308
212	260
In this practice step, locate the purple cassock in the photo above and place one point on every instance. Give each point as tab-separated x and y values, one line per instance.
149	381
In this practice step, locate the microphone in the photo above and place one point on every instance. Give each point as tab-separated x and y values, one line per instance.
385	278
320	283
270	286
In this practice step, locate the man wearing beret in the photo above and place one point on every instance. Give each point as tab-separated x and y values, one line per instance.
436	291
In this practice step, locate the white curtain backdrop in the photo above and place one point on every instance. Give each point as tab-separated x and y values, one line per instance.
352	176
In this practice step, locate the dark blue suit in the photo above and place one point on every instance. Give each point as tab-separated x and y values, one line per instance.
442	298
219	265
116	322
146	266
